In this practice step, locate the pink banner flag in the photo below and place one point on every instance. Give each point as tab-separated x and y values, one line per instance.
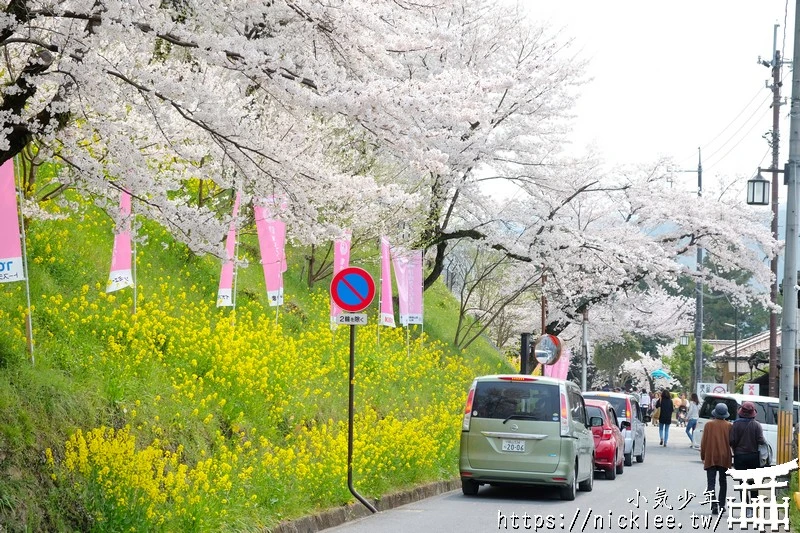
560	368
273	205
414	276
272	242
121	276
387	309
11	268
408	275
341	260
225	292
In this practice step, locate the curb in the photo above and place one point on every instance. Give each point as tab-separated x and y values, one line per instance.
340	515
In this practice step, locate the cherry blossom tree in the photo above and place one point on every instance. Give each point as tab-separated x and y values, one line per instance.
149	95
641	370
398	117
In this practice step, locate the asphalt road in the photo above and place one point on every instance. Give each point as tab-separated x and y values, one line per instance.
671	476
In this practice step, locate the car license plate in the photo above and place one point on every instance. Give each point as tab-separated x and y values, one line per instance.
513	445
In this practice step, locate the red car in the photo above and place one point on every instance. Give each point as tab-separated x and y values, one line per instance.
608	443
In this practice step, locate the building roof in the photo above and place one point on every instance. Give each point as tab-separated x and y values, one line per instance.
725	350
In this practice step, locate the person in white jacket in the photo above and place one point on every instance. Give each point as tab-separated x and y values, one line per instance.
692	416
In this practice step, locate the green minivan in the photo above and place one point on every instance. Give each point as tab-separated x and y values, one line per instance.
526	430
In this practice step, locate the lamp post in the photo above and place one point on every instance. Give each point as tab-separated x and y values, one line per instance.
735	348
698	288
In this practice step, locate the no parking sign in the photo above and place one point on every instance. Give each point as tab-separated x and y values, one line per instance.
352	289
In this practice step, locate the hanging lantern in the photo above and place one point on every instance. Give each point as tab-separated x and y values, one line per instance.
758	190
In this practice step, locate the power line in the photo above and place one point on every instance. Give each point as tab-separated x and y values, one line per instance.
707	144
740	140
761	107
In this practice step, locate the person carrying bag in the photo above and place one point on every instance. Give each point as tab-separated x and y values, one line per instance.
746	436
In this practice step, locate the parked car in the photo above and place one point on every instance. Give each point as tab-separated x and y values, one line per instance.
609	446
628	410
526	430
766	414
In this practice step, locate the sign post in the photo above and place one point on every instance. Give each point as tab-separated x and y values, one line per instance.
352	289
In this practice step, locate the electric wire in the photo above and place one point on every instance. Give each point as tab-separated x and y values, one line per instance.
762	108
723	130
765	113
765	156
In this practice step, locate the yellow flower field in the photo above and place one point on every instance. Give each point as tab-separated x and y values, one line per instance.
220	418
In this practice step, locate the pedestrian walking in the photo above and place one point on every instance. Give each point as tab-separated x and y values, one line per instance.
644	401
746	435
715	452
664	405
653	412
692	415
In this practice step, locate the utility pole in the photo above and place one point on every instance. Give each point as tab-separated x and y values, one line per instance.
697	373
789	314
698	314
774	143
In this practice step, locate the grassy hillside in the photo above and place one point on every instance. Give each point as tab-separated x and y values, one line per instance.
185	417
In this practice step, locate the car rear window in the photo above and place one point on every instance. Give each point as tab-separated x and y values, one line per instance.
594	411
618	404
539	401
765	413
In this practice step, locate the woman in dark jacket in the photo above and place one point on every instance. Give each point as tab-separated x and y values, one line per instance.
746	435
665	418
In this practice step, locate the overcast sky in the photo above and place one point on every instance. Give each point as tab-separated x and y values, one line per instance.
671	76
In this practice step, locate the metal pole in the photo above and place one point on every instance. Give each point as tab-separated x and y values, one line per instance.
789	314
544	304
585	349
350	423
24	239
524	353
773	291
698	315
735	347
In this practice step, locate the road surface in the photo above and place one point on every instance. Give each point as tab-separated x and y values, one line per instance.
664	493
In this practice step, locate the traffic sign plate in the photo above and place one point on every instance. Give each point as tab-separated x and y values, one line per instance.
352	319
352	289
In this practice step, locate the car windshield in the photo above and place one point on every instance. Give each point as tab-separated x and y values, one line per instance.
533	401
617	403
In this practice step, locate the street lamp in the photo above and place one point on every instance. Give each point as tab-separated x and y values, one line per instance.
735	350
758	190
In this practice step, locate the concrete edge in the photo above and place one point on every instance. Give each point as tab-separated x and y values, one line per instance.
340	515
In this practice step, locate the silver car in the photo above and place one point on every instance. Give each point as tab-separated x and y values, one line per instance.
627	409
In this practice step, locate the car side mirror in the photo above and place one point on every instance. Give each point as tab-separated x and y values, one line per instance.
625	425
596	421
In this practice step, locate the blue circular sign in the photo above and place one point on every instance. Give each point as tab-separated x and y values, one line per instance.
352	289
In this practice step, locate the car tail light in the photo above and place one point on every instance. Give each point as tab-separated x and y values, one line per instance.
564	414
628	409
607	434
468	408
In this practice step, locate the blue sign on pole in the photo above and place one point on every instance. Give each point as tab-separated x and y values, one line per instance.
352	289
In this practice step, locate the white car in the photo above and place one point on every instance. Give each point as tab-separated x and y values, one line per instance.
766	414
